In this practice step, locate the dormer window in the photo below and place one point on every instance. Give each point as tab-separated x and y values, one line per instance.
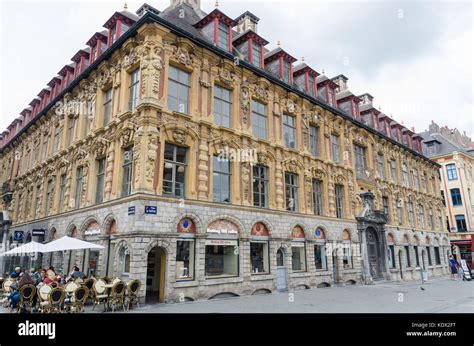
112	35
280	63
251	46
223	36
330	96
311	85
355	109
93	54
305	79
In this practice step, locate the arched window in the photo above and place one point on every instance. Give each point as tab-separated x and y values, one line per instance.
320	259
428	250
185	247
298	250
259	249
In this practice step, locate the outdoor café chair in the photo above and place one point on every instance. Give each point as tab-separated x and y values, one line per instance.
89	283
27	294
133	289
78	299
56	299
43	294
100	293
117	297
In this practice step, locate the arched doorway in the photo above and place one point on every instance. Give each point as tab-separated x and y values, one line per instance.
374	253
155	275
400	263
281	278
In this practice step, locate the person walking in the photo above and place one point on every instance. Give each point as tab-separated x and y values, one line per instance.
453	265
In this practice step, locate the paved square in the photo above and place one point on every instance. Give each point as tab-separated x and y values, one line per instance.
439	296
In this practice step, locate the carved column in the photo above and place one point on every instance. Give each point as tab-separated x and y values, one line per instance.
279	195
203	165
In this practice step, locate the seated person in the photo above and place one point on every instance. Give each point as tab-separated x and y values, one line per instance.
16	273
14	297
75	274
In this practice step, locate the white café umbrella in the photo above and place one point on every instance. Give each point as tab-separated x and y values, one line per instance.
28	248
68	243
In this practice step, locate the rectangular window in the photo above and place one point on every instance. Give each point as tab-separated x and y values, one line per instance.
437	257
417	258
407	256
185	259
49	196
259	120
386	209
428	251
57	138
461	223
79	187
380	169
260	186
443	199
339	194
70	131
286	71
44	148
314	140
223	36
360	160
411	218
174	171
256	54
456	197
289	131
311	90
451	172
38	201
221	180
391	252
113	32
317	197
393	169
320	259
298	258
127	171
416	182
178	90
99	196
291	189
259	257
133	90
331	96
62	192
107	106
335	148
221	260
440	220
222	106
405	174
421	216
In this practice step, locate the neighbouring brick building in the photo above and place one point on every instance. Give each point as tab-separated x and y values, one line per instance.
124	148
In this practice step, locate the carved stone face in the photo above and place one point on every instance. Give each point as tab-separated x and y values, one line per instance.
179	136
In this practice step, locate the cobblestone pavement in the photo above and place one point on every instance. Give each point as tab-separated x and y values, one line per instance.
439	296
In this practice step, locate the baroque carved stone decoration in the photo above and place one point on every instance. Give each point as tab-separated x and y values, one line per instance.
262	158
246	181
261	93
152	148
105	78
245	101
226	77
126	136
292	166
183	56
179	136
151	65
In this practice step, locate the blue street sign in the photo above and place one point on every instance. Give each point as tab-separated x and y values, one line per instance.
151	210
18	236
131	210
317	232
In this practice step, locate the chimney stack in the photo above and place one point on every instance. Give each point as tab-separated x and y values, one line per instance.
246	21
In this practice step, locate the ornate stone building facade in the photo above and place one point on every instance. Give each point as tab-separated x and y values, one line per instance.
124	148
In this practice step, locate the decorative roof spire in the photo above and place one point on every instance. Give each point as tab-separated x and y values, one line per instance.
125	6
302	58
217	4
279	43
323	73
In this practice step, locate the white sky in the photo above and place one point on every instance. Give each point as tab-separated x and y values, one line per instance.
414	57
